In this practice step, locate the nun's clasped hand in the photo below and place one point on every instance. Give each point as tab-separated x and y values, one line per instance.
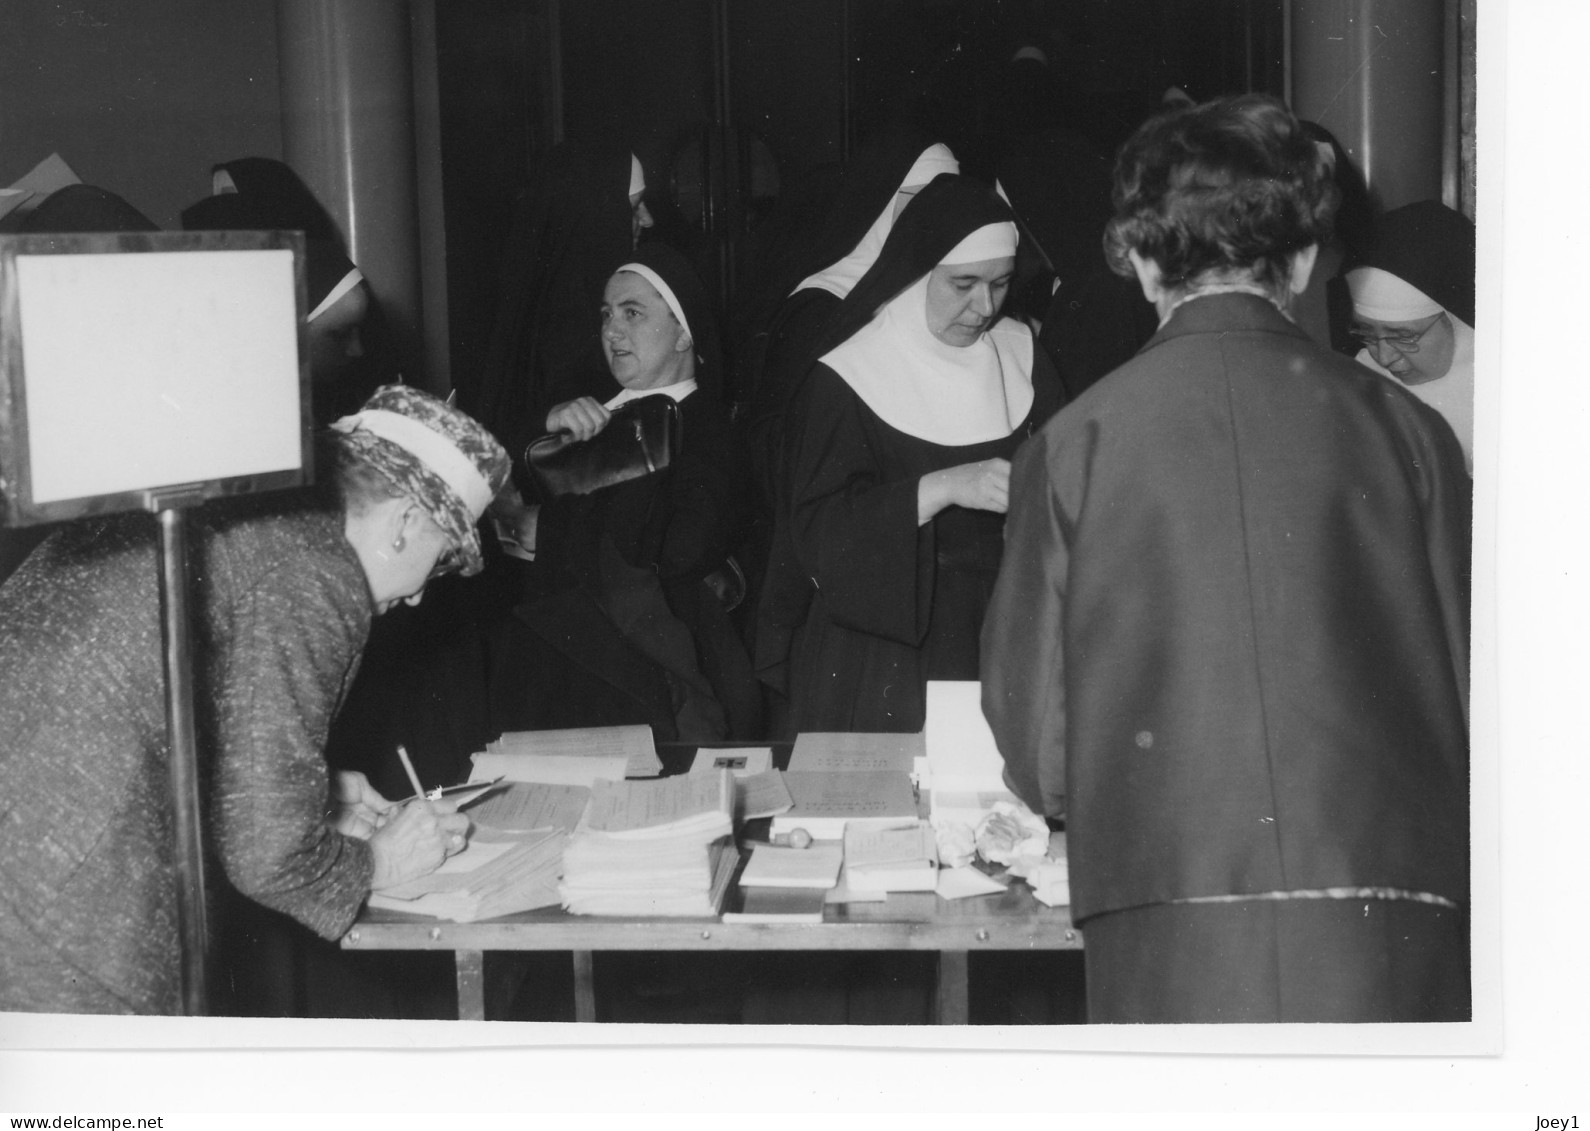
980	486
415	841
582	418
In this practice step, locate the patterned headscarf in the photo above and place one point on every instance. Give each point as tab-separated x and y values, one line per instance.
434	454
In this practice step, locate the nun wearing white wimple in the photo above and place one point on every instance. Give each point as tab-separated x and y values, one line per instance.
897	451
1413	309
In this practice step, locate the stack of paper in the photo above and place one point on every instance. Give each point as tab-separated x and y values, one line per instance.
522	806
903	859
491	877
965	772
571	757
827	802
652	848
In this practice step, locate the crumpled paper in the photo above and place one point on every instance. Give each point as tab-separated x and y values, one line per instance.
956	842
1011	832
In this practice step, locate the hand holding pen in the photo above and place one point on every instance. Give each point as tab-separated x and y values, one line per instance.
415	837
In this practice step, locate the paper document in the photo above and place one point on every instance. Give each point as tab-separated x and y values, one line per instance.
633	743
522	806
685	801
551	769
741	761
761	795
487	879
845	752
826	802
966	774
958	883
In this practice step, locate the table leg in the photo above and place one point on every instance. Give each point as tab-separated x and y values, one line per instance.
951	1005
471	985
584	987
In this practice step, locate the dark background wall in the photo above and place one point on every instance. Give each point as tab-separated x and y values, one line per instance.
139	96
724	102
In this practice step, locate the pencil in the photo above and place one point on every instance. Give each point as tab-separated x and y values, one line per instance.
414	779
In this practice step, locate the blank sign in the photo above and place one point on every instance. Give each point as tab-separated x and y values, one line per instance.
159	368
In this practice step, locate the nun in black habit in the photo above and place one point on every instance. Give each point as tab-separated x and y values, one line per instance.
897	445
811	284
574	223
614	620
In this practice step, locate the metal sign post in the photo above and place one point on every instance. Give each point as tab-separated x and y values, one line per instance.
176	635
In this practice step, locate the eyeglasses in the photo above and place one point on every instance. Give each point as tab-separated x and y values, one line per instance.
1404	343
450	560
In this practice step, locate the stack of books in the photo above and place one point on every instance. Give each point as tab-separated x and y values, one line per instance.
662	847
494	875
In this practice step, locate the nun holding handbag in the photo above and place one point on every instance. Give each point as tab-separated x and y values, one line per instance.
640	438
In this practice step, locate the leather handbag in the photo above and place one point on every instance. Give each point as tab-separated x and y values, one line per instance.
640	438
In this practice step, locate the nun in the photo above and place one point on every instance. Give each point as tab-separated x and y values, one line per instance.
1413	310
614	618
573	224
897	449
876	188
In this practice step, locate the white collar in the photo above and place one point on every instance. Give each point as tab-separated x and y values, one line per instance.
679	390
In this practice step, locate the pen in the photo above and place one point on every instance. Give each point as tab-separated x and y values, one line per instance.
408	768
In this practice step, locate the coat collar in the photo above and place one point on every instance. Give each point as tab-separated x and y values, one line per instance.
1224	314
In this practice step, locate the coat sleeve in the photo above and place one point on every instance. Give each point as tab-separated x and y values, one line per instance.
286	649
854	529
1023	656
681	522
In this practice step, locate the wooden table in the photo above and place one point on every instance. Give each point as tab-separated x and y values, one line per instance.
1010	920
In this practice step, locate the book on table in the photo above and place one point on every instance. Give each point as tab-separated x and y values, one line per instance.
778	905
825	802
772	866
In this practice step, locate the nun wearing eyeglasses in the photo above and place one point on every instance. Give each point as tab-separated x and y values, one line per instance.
286	587
897	455
1413	310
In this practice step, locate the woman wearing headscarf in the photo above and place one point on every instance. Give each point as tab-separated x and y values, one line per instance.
576	221
896	454
876	187
1413	309
286	587
613	619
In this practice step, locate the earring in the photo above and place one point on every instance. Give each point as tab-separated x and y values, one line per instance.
398	544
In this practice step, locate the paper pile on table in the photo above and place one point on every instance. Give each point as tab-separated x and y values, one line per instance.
492	876
645	848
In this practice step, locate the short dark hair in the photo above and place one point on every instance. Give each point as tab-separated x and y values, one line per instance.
1233	184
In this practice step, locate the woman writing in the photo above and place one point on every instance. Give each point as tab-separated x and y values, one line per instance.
896	455
286	589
